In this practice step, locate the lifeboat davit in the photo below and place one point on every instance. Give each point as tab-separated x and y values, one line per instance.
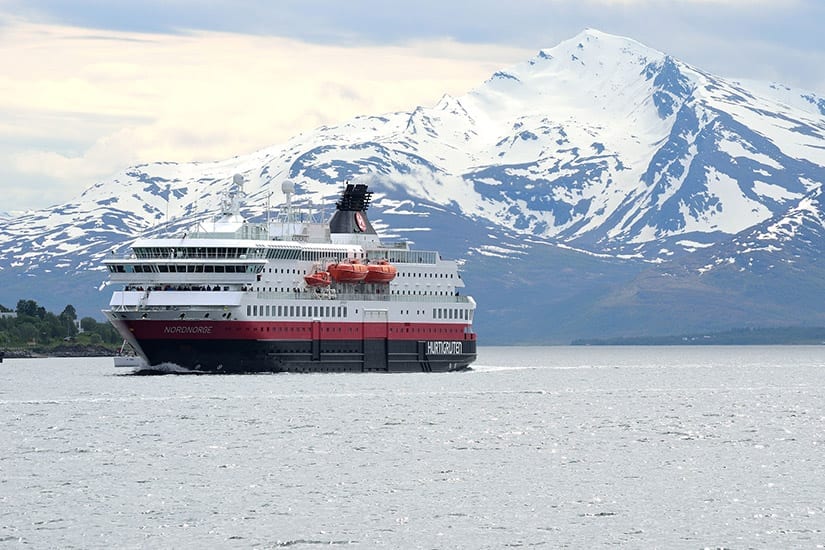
319	278
348	271
381	271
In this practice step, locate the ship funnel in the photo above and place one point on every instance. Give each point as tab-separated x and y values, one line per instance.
351	211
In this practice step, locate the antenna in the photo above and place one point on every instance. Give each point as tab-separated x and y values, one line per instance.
288	189
236	194
323	208
268	207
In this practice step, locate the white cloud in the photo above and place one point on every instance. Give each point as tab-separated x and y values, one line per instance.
77	104
770	4
91	102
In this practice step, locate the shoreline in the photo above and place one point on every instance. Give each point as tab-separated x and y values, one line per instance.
58	351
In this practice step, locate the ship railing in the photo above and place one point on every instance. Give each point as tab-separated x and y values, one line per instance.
310	294
399	255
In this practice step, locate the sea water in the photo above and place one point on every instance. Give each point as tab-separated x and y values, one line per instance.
669	447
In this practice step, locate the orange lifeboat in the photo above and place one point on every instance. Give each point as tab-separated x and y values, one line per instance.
319	278
381	271
348	271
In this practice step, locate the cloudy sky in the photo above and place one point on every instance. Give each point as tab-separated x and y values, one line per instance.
89	87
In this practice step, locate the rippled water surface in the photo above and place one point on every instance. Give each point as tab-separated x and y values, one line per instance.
535	447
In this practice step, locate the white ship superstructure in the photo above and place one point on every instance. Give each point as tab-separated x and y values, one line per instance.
287	295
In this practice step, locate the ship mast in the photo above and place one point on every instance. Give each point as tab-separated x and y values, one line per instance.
288	189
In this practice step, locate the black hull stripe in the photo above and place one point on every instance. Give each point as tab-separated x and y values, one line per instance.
244	356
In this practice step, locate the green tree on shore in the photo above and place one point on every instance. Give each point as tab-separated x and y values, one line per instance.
33	325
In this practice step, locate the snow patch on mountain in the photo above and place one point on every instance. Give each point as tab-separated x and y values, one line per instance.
600	144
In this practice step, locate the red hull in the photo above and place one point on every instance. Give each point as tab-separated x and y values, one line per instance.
292	330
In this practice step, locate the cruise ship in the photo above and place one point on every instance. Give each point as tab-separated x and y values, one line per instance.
290	295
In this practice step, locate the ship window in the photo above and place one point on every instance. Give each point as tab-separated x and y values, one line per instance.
291	311
248	310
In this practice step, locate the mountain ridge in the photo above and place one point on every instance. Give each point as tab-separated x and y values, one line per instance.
600	152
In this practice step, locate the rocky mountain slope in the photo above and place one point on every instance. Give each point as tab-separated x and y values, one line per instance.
598	188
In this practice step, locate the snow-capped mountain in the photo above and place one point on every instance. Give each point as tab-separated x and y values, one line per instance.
769	275
593	169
